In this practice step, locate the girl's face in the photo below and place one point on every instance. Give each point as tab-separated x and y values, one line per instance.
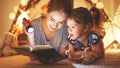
55	20
75	30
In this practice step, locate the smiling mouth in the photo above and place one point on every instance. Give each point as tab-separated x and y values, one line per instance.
52	28
71	35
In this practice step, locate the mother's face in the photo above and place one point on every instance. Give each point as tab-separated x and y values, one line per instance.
55	20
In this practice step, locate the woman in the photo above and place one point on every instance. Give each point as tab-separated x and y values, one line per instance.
52	30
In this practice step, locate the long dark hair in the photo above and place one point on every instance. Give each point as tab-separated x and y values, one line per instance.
96	15
60	5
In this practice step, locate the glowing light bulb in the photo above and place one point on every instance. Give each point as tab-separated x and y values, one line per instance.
16	8
12	16
99	5
23	2
94	1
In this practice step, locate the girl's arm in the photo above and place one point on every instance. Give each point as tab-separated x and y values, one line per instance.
74	55
66	50
62	51
98	49
71	48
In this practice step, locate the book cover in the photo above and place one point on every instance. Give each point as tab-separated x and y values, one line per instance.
46	52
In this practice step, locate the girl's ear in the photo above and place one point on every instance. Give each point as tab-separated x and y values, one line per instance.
86	28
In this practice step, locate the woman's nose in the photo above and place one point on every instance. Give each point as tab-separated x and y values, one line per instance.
55	25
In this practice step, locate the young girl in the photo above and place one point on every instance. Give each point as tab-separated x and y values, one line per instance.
85	45
53	30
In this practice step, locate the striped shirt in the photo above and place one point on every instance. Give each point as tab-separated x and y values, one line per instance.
58	42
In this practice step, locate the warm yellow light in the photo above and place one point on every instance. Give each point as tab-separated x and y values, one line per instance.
94	1
99	5
16	8
20	20
12	16
112	51
24	2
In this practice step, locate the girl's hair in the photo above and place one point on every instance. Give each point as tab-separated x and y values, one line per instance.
96	15
60	5
82	16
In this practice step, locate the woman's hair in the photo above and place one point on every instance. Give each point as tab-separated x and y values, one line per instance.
82	16
60	5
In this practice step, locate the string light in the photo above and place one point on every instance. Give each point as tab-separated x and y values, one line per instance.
94	1
24	2
100	5
12	16
16	8
22	11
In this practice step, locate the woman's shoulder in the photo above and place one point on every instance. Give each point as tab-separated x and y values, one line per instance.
36	20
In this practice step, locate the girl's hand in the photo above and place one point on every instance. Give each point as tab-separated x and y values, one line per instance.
67	52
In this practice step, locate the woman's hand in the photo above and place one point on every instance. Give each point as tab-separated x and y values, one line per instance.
33	58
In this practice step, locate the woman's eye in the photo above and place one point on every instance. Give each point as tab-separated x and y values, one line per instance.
61	22
51	19
67	26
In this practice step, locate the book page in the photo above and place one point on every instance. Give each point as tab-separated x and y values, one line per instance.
23	47
24	50
27	49
41	47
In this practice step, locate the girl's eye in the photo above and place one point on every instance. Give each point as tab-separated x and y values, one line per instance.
73	27
51	19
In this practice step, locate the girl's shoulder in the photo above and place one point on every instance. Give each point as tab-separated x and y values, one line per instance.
93	38
94	34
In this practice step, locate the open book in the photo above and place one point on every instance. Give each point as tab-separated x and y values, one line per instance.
45	52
